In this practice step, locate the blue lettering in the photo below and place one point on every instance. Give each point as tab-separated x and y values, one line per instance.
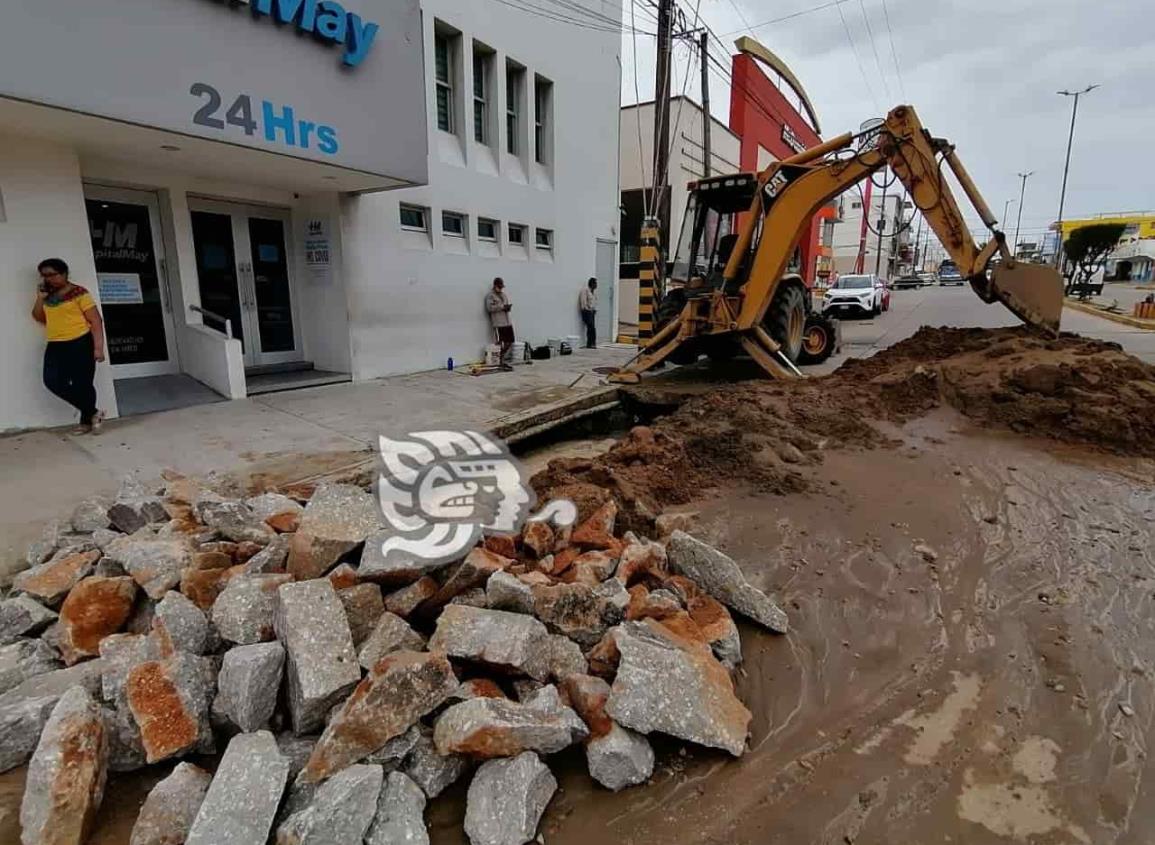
331	21
327	140
304	128
359	40
301	12
284	122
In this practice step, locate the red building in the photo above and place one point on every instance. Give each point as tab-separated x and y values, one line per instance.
770	112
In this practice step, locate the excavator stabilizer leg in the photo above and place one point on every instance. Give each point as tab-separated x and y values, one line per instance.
764	350
1034	292
657	350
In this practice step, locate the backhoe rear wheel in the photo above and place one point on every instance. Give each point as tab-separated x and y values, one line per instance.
817	339
669	309
786	318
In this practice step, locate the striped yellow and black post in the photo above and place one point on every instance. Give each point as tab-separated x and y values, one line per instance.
648	276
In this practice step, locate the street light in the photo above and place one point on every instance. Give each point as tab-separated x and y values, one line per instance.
1006	205
1067	165
1023	190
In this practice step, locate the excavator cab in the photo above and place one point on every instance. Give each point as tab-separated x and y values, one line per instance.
709	232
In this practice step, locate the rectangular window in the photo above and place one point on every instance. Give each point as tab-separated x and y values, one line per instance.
413	217
443	50
542	89
453	224
514	83
482	60
856	205
516	233
486	229
543	238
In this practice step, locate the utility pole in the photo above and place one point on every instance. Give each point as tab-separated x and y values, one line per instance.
1022	191
1067	166
662	116
881	228
1006	205
703	54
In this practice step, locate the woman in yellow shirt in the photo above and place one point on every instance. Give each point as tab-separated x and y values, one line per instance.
75	335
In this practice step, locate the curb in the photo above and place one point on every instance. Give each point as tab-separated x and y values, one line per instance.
1122	319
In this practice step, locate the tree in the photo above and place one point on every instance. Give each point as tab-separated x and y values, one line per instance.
1085	252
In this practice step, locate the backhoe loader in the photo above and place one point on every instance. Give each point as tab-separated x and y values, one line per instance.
730	293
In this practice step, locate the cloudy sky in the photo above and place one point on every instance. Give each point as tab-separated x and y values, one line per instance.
983	73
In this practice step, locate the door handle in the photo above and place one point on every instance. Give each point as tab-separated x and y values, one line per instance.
162	287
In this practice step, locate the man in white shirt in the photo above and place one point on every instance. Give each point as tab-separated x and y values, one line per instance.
588	304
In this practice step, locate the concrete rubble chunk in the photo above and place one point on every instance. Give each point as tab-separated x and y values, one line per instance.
95	608
235	521
597	532
390	755
243	797
390	634
398	691
472	572
204	586
169	700
720	576
396	571
592	567
130	514
511	642
25	708
25	659
713	620
183	622
321	664
269	559
579	611
244	611
496	727
66	777
340	812
90	515
102	537
297	750
504	591
642	562
51	581
620	758
46	545
248	682
23	616
473	597
155	563
171	806
271	504
344	576
432	771
477	688
674	685
588	695
406	600
400	815
506	800
565	658
363	607
119	653
537	536
338	518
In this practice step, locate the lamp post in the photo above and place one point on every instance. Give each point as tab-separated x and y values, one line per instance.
1006	205
1022	191
1067	164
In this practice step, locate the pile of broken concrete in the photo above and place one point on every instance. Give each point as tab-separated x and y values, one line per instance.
346	689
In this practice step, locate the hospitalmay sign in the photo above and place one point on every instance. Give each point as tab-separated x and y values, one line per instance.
336	82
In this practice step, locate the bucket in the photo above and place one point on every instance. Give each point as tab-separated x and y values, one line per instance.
573	340
517	352
554	345
492	355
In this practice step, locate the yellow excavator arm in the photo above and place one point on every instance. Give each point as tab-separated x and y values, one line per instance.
787	196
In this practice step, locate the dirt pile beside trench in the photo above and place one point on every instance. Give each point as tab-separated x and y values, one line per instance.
763	433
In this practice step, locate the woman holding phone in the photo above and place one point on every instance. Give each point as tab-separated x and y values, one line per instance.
75	335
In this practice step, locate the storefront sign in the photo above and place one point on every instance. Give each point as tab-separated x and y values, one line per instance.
317	247
327	20
791	139
119	288
278	124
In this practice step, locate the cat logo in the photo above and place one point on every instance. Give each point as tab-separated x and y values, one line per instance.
777	182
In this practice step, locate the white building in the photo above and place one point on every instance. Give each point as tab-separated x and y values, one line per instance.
851	236
197	162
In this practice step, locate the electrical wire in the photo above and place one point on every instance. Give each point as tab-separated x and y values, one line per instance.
558	17
858	59
742	17
893	52
575	8
661	179
874	48
788	17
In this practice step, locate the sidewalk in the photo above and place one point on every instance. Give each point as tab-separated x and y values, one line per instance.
284	436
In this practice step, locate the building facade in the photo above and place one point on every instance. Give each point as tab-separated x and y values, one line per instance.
857	246
253	187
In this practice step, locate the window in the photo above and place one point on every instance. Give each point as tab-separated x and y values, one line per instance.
543	238
514	83
482	61
516	233
453	224
486	229
856	204
443	49
542	89
413	217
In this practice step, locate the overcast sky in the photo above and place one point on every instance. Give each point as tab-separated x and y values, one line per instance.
982	73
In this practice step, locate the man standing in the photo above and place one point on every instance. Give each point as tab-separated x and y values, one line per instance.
588	303
497	305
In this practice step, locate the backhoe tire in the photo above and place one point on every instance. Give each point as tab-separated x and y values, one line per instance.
818	339
669	309
786	318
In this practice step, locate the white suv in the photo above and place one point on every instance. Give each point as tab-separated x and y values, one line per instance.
861	292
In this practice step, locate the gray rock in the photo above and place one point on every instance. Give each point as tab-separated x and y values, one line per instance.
249	679
25	659
321	663
398	570
25	709
51	581
473	597
337	519
271	504
340	812
45	547
720	576
242	800
235	521
400	816
66	777
497	727
132	513
391	633
102	537
565	658
506	800
508	592
525	688
119	653
125	748
155	563
363	607
675	686
243	613
297	750
90	515
271	558
171	806
170	701
23	616
184	622
580	611
506	641
390	755
620	758
432	771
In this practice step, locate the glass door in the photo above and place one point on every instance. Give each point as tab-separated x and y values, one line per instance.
134	298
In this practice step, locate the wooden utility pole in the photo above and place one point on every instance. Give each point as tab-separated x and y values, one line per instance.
703	55
662	117
881	228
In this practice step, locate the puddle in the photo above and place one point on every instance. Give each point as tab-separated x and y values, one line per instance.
936	729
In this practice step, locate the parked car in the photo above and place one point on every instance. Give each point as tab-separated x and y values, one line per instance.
927	279
859	293
948	274
909	280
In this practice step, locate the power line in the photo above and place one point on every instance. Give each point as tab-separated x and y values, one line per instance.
857	58
573	7
790	16
893	52
742	17
874	48
558	17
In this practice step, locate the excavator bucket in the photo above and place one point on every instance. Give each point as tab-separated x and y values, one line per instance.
1034	292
